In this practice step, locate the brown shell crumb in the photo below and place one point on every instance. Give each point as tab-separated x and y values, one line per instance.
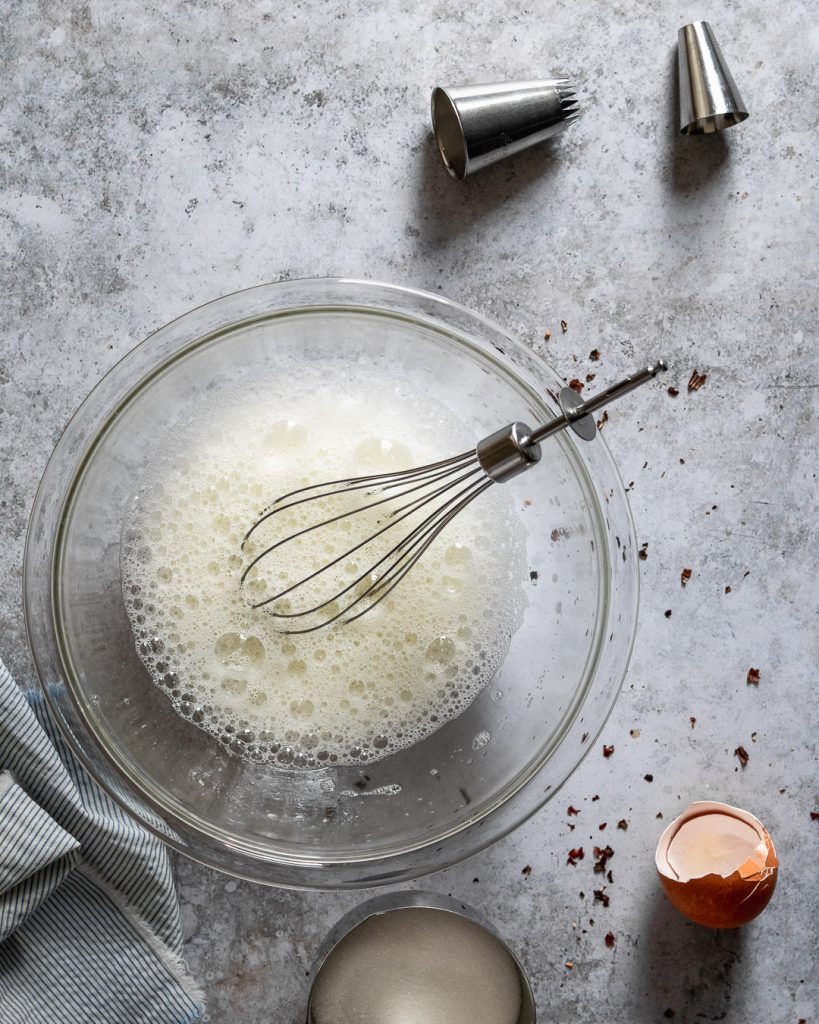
608	750
673	392
527	871
685	576
576	385
743	755
575	855
753	676
546	335
623	824
564	326
697	380
603	419
610	940
594	355
572	810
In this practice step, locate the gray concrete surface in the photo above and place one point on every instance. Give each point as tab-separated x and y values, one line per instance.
157	155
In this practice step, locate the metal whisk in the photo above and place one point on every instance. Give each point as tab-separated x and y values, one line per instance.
388	520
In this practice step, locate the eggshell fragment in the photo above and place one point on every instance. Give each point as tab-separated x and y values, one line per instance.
717	864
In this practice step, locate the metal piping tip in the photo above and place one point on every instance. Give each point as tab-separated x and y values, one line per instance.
478	125
567	92
569	103
709	97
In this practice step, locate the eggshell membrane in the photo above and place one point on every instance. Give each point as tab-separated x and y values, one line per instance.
715	900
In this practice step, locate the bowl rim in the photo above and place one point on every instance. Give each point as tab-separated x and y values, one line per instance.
127	781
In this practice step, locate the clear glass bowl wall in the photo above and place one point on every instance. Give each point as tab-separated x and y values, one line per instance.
424	807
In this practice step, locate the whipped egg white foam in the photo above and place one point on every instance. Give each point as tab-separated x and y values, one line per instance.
348	693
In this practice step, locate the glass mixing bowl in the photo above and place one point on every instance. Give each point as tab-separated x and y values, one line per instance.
423	808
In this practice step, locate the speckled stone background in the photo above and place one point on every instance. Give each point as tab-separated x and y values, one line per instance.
155	156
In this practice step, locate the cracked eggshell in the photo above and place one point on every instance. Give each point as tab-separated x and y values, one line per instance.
717	864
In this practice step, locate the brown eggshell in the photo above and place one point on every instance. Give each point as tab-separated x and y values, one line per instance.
715	900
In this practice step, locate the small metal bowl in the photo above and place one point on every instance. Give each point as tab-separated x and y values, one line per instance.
401	901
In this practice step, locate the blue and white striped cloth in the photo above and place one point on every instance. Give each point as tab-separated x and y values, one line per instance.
89	921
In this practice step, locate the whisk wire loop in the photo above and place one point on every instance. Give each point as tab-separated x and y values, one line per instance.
406	555
406	509
448	485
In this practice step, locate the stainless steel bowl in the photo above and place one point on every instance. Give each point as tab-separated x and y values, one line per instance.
336	947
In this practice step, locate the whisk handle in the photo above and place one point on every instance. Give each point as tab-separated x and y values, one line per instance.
516	447
577	413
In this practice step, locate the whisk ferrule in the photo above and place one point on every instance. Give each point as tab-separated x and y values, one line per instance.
506	453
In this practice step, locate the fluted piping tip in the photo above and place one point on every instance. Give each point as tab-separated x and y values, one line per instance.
478	125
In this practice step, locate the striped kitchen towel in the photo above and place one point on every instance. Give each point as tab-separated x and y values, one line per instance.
89	921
